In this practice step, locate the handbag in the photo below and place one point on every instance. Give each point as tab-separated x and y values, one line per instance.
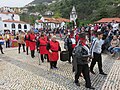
64	56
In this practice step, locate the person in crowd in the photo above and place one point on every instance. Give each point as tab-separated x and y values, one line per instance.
77	37
53	47
114	43
32	43
60	34
49	36
7	39
27	41
42	47
70	43
115	51
115	26
21	41
81	55
96	49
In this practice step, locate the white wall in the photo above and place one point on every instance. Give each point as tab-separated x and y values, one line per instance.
9	26
9	16
39	25
1	27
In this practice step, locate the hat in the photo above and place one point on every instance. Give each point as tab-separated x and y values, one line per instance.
82	35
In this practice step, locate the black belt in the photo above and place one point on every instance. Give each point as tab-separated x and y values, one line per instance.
42	45
54	51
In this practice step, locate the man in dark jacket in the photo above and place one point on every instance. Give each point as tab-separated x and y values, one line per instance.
80	61
70	43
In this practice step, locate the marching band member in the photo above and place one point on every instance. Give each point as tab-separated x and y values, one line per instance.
54	48
42	47
27	41
32	43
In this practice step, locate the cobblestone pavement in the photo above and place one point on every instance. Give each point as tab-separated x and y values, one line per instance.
21	72
113	80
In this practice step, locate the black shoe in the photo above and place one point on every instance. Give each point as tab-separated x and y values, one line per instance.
77	84
33	56
2	53
92	72
56	68
91	87
102	73
51	67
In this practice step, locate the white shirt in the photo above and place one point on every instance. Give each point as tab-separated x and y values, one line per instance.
96	46
73	41
115	26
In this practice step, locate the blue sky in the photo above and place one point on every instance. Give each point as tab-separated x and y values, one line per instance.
14	3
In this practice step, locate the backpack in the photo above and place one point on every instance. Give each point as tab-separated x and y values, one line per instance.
77	50
80	52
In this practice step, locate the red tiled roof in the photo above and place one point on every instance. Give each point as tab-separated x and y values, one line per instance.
51	20
63	20
39	21
103	20
57	20
14	21
7	13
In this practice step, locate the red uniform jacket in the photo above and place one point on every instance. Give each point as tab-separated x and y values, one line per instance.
43	42
54	47
27	40
77	38
32	42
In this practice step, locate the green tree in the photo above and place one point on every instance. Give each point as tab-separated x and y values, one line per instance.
57	14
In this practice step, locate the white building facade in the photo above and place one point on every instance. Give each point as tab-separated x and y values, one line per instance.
9	16
11	22
51	23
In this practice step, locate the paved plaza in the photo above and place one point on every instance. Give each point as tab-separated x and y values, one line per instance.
21	72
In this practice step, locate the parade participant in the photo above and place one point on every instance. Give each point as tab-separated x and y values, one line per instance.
54	47
32	43
37	41
81	55
96	49
42	47
70	43
27	41
21	41
1	48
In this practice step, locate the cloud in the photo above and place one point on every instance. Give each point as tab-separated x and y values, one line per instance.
14	3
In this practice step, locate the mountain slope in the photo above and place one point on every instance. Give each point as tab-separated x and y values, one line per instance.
40	1
86	9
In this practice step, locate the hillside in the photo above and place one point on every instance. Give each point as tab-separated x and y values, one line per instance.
87	10
41	1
